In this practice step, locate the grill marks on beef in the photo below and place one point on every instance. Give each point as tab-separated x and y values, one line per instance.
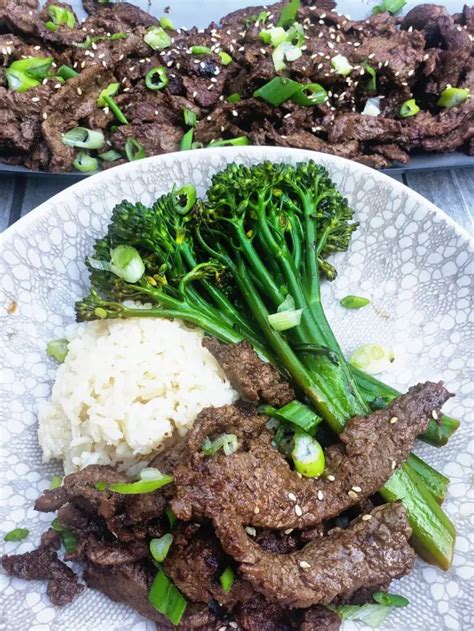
372	447
430	50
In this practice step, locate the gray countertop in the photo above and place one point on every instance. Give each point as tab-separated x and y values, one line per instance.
452	190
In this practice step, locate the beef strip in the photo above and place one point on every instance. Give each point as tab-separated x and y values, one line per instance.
320	619
253	378
368	551
43	564
269	491
259	615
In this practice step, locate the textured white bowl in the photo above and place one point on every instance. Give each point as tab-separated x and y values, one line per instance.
407	255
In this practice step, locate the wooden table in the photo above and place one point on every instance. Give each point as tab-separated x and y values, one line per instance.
452	190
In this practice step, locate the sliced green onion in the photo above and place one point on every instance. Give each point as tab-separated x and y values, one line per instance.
234	98
370	615
197	145
240	141
278	90
185	198
354	302
285	319
67	537
83	138
288	13
227	442
273	36
372	84
372	358
119	115
101	485
390	600
225	58
61	16
113	37
111	90
285	51
200	50
310	94
126	263
157	38
295	35
34	67
66	72
56	482
295	413
150	473
152	75
171	516
159	548
392	6
190	117
308	456
451	97
341	65
262	17
19	81
187	140
166	22
18	534
372	106
134	150
409	108
57	349
166	598
142	486
51	26
227	579
110	156
85	163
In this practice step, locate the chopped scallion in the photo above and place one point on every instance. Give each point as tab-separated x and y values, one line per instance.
18	534
119	115
190	117
66	72
157	78
61	16
126	263
110	156
185	198
409	108
19	81
230	142
171	516
157	38
278	90
354	302
295	413
134	150
227	442
159	548
166	598
341	65
451	97
274	36
310	94
288	13
85	163
67	537
200	50
390	600
34	67
308	455
57	349
83	138
392	6
111	90
372	358
285	319
234	98
225	58
372	84
51	26
285	51
56	482
142	486
187	140
166	23
372	106
150	473
227	579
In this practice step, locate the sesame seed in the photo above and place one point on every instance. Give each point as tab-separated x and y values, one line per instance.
288	531
434	414
256	510
410	73
366	517
356	44
292	497
353	495
394	464
234	113
210	86
57	86
330	45
263	51
79	91
131	69
298	510
320	495
357	489
37	47
209	118
45	116
371	56
331	478
194	94
35	99
304	565
251	531
234	625
426	57
393	420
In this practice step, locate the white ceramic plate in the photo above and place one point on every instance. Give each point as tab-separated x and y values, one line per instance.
408	255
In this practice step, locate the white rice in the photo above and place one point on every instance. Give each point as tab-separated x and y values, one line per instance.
125	387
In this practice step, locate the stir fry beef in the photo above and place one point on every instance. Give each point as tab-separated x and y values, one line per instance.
320	619
413	57
271	495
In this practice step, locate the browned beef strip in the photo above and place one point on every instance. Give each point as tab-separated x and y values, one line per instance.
107	553
43	564
259	615
268	490
424	18
368	551
455	50
19	16
320	619
253	378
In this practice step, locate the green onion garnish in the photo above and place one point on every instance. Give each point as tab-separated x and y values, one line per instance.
83	138
392	6
185	198
66	72
159	548
390	600
341	65
85	163
371	615
57	349
310	94
111	90
67	537
278	90
142	486
284	320
18	534
61	16
225	58
234	98
308	455
187	140
295	413
56	482
274	36
157	78
200	50
285	51
171	516
372	358
126	263
51	26
227	442
119	115
166	22
227	579
34	67
190	117
409	108
288	13
110	156
354	302
19	81
372	84
134	150
157	38
239	141
451	97
166	598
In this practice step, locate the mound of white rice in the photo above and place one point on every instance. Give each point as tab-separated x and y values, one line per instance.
125	387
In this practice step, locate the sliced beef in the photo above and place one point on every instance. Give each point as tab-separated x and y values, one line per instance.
107	553
20	16
353	126
320	619
259	615
424	17
254	379
271	495
44	564
369	550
